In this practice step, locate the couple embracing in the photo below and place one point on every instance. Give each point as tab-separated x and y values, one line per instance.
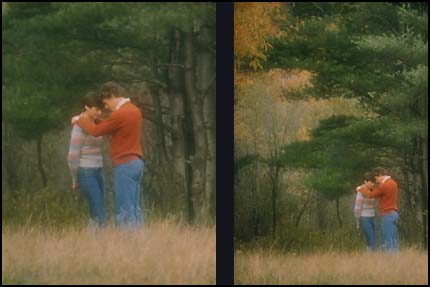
123	129
378	184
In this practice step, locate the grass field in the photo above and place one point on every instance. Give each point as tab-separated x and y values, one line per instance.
162	253
407	267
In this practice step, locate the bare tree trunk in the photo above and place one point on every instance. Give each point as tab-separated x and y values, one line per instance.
211	154
198	162
11	158
274	175
205	86
39	161
161	142
176	99
254	191
415	179
408	191
423	167
255	213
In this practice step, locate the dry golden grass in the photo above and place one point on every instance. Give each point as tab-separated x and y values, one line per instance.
407	267
161	253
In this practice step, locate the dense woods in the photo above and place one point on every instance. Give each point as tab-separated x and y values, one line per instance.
55	53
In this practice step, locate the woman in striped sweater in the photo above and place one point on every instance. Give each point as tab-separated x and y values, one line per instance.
364	211
86	164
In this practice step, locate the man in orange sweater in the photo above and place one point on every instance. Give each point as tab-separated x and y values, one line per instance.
386	191
124	125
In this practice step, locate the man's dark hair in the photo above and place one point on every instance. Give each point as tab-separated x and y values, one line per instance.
377	171
111	89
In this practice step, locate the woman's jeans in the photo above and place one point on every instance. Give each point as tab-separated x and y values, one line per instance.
389	231
127	180
367	225
91	183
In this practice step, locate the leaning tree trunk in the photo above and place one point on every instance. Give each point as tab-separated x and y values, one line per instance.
295	228
39	162
206	92
339	219
321	213
198	162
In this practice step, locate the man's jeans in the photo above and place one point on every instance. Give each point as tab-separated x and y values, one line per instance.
91	183
389	231
127	178
367	225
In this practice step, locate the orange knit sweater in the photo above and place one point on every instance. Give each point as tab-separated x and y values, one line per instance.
124	125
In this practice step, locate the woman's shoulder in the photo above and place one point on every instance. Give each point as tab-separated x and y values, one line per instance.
76	129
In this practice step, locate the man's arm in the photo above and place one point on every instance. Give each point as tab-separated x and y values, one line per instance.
105	127
377	192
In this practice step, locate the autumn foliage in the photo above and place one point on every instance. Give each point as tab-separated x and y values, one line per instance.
254	23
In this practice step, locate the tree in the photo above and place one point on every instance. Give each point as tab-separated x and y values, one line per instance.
254	24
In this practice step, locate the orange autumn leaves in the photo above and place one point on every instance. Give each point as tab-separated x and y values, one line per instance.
254	22
268	113
260	107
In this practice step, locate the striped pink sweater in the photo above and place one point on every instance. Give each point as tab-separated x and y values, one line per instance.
364	207
84	151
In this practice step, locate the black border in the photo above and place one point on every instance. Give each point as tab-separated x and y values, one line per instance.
224	146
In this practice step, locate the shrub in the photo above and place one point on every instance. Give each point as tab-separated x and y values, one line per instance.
47	206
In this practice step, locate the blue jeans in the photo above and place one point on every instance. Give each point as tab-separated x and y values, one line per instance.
389	231
367	225
91	183
127	179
